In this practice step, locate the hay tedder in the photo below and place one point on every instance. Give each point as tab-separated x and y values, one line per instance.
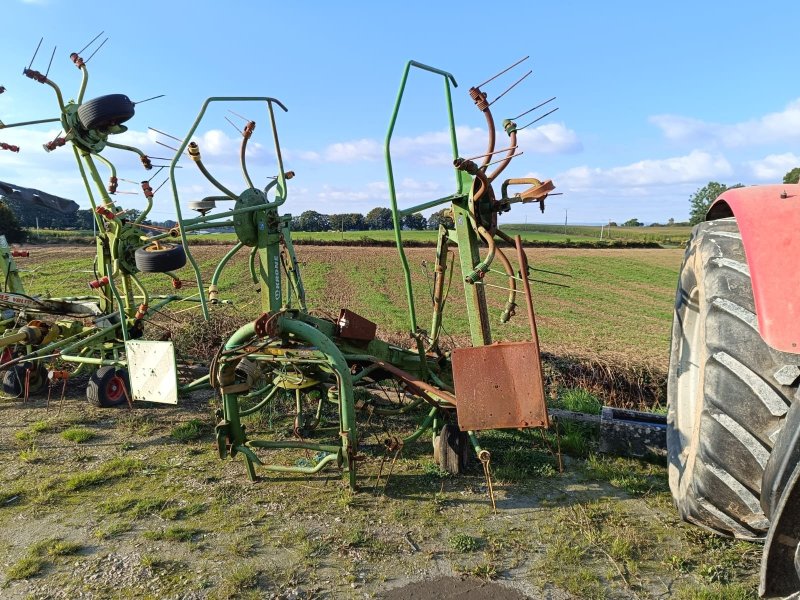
330	365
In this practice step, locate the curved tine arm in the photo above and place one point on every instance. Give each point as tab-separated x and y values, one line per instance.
84	82
509	155
243	152
492	138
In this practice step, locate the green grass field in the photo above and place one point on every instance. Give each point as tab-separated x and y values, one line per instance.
667	236
615	304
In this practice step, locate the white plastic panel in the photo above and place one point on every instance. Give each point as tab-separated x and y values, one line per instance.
152	371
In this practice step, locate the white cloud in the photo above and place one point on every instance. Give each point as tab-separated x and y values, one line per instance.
357	150
553	138
774	166
773	127
697	166
433	148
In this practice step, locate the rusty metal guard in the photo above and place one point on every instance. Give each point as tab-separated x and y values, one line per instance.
499	387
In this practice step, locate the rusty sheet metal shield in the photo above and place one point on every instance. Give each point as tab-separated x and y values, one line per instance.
499	387
352	326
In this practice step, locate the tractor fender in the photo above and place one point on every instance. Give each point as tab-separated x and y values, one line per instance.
769	221
779	562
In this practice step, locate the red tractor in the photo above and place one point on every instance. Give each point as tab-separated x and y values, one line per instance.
733	428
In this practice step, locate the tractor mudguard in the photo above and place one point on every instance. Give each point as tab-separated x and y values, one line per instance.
783	459
779	571
769	221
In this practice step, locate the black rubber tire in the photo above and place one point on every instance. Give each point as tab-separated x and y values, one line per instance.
14	379
451	449
169	257
725	406
105	111
105	387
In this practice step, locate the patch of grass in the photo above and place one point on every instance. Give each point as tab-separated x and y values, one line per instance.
174	534
113	530
520	455
62	548
174	513
484	570
583	583
31	456
463	543
634	477
115	468
79	435
356	537
35	560
152	561
41	427
188	432
134	506
238	581
25	568
25	436
579	400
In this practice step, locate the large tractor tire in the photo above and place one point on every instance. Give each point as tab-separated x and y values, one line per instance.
728	391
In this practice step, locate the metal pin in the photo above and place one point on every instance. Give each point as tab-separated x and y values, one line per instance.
35	52
46	73
148	100
502	159
156	158
539	119
90	43
513	85
165	146
96	51
238	115
532	109
490	153
234	126
503	71
156	173
159	187
166	134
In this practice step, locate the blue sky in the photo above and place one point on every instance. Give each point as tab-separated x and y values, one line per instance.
655	99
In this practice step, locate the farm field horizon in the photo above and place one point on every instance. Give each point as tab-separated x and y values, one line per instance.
613	304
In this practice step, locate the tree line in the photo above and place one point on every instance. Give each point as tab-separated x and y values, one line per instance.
376	219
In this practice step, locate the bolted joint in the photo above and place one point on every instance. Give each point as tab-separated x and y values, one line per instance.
75	58
463	164
479	98
510	311
194	151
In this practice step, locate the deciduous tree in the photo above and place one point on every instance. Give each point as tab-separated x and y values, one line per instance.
9	225
702	199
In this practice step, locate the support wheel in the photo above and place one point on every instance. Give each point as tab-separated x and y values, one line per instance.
728	393
108	387
160	258
14	379
451	449
105	111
